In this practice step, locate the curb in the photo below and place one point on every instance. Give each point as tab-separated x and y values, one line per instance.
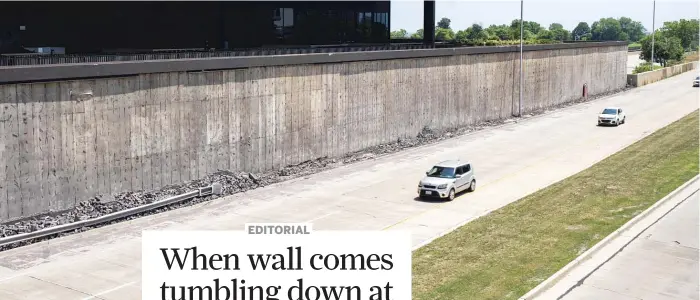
552	280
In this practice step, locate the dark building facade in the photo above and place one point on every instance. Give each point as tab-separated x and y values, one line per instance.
95	27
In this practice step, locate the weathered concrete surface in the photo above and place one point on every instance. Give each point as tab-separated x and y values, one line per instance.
660	263
510	162
64	142
645	78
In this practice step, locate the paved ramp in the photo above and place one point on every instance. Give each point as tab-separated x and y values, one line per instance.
633	61
510	162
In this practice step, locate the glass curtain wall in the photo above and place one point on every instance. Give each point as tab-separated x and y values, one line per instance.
328	23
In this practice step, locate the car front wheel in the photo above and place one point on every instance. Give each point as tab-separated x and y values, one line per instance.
472	186
451	196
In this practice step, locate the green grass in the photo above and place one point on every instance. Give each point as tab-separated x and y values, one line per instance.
645	67
505	254
690	57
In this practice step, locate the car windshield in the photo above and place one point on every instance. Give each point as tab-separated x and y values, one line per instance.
442	172
609	111
697	78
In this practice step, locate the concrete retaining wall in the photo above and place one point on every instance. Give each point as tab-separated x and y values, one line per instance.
645	78
63	142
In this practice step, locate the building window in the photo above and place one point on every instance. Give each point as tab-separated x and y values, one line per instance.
283	18
384	19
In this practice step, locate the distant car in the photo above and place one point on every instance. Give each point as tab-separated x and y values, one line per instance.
696	82
446	179
611	116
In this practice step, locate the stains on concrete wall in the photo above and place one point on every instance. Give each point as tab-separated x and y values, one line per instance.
63	142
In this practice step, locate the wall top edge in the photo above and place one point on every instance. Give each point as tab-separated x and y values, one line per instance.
61	72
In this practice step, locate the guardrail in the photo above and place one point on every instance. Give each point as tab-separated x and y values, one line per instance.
32	59
49	72
214	189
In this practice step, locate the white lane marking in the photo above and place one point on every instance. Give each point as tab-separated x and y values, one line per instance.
110	290
321	217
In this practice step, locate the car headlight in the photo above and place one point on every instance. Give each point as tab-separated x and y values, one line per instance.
442	186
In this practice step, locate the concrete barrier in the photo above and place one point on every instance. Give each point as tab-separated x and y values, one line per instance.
645	78
66	141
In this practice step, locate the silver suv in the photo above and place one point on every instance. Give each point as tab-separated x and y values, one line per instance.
446	179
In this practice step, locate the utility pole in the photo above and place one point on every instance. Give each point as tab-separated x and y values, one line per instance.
520	102
653	31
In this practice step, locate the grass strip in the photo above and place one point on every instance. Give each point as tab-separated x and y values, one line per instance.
691	57
508	252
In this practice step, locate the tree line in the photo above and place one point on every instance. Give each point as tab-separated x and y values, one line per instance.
605	29
672	41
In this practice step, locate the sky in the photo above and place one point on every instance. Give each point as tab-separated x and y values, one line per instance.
408	14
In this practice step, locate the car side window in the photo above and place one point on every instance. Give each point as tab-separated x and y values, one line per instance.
459	171
467	168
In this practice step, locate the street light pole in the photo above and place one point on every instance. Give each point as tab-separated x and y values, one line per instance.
653	31
520	103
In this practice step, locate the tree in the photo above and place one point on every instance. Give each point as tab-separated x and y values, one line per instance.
444	23
418	34
502	32
624	36
476	33
581	32
555	26
545	35
444	34
532	27
461	36
558	32
686	30
633	29
607	29
666	48
399	34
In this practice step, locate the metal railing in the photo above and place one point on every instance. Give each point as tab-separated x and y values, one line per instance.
52	59
214	189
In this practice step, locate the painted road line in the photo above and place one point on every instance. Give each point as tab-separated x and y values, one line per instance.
97	296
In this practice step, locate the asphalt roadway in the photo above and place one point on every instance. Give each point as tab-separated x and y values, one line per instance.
510	162
656	258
